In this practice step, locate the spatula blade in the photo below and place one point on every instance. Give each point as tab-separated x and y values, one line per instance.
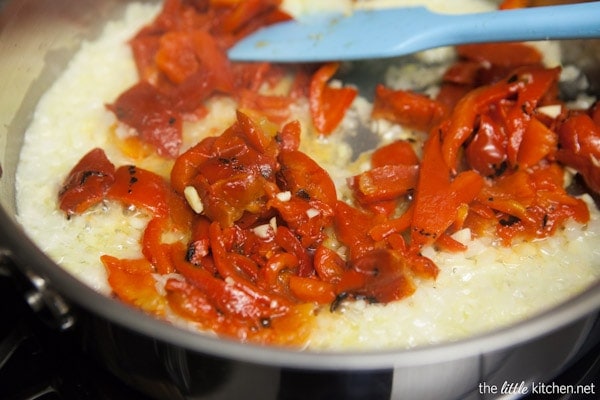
332	36
399	31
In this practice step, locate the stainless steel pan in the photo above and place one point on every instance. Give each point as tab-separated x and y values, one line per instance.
37	38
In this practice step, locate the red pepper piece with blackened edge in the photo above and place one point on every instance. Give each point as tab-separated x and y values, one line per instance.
527	87
87	183
288	241
387	276
235	298
140	188
304	178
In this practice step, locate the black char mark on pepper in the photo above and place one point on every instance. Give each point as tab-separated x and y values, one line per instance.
132	178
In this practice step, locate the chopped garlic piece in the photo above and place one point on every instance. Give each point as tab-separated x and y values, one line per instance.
312	212
263	231
552	111
273	224
284	196
193	199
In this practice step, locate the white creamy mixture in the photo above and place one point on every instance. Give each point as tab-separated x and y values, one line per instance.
481	289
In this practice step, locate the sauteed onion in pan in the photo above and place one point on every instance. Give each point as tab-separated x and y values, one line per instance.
238	199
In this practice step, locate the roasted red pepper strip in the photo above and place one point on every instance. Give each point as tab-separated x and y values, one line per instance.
396	225
153	247
289	137
290	243
531	204
291	329
311	289
508	55
438	197
245	17
538	142
199	243
192	303
464	116
413	110
306	179
384	183
188	164
230	173
434	207
87	183
328	104
176	57
233	298
508	4
464	73
244	13
313	196
181	59
150	113
182	54
486	151
537	84
226	200
132	281
276	272
140	188
329	265
579	139
352	227
307	219
399	152
387	276
259	133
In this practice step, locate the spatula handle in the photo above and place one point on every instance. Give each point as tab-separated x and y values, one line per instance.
568	21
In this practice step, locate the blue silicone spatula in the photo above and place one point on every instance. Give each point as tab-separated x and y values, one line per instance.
393	32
